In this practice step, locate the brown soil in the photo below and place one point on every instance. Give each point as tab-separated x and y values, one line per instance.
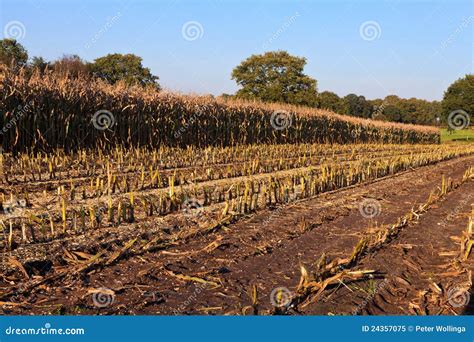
214	272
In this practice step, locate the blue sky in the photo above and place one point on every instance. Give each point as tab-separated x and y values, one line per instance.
372	48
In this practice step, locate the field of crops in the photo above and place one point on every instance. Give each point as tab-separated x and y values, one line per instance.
123	200
45	112
246	229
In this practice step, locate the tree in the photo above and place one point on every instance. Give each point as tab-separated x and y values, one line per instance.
459	96
418	111
38	63
329	100
275	77
72	66
392	113
377	110
226	96
355	105
435	111
12	53
128	68
413	110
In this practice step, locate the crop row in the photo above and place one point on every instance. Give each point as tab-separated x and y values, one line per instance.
236	196
44	112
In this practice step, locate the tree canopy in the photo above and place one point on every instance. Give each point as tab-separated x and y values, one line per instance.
459	96
391	108
39	63
71	65
357	105
329	100
12	52
275	77
129	68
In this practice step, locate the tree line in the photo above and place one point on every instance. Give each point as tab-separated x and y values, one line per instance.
274	76
112	68
277	76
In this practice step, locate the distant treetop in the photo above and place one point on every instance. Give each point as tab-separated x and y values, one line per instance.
12	53
275	76
116	67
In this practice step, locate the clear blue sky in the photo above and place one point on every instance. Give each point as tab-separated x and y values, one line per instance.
420	47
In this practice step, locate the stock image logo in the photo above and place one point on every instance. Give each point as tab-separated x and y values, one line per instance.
102	297
281	119
370	208
281	297
103	119
14	30
192	30
13	207
459	119
192	207
370	30
458	296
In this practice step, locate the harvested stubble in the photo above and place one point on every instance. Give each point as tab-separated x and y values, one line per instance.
70	214
312	284
49	111
211	162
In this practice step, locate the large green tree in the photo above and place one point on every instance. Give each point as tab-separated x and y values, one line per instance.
128	68
12	53
355	105
329	100
275	77
459	96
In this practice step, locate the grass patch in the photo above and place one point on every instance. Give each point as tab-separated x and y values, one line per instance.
462	135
